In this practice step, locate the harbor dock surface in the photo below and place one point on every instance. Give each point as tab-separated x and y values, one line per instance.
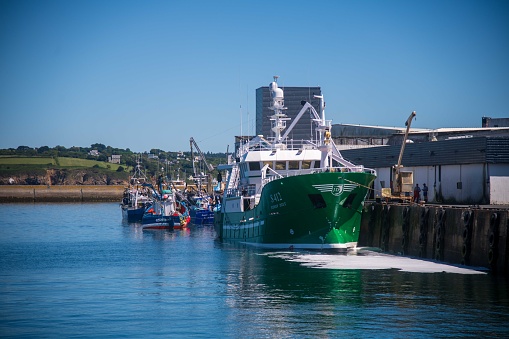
60	193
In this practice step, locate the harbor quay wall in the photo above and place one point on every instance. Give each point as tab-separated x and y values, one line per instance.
468	235
61	193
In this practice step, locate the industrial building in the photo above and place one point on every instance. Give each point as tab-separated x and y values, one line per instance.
348	136
495	122
459	165
457	171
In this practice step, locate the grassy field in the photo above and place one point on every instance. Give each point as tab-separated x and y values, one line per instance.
41	162
26	161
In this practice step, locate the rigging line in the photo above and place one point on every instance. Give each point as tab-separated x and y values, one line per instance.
369	188
221	132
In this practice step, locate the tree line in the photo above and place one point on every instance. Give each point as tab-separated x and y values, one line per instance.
153	162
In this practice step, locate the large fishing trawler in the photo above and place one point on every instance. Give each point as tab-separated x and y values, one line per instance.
280	193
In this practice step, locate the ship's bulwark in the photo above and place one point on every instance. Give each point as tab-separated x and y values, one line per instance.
314	211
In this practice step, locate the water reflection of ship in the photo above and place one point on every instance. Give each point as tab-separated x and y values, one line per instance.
268	275
298	300
323	300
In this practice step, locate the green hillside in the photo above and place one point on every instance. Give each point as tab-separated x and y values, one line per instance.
19	163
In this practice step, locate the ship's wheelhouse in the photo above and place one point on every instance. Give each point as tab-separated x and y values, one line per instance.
256	168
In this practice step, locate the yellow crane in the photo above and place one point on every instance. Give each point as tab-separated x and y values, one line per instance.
402	182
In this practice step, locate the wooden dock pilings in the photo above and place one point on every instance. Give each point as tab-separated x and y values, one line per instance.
467	235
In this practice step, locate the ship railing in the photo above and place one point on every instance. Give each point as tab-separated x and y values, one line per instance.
232	192
269	144
290	173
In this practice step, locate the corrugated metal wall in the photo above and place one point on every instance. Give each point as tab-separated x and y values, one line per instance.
447	152
497	150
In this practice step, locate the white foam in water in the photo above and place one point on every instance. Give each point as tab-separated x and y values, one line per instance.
368	260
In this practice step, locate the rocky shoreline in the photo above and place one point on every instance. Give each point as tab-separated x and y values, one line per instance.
65	177
60	193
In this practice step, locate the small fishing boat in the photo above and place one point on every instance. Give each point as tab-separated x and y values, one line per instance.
201	209
135	198
290	194
166	211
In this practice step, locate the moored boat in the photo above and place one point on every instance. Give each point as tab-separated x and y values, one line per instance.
166	212
135	198
282	193
201	210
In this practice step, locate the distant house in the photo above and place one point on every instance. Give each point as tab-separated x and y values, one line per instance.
94	153
180	155
114	159
152	156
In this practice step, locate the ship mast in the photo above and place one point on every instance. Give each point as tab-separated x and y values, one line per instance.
278	105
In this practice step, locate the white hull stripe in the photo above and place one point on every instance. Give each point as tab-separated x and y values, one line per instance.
243	226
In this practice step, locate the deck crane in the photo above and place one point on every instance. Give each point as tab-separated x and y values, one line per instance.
197	176
402	180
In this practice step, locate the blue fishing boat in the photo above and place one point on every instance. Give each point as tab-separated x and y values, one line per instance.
136	198
166	211
201	210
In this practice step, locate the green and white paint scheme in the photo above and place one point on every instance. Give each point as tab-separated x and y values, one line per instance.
288	194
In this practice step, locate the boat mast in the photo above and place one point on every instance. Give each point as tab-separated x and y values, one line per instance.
322	125
278	105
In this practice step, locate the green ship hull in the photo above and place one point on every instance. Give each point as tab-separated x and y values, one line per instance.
310	211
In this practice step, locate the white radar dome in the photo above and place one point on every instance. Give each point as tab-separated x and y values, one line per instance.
275	91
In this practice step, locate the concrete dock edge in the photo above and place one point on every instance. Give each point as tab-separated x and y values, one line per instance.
464	235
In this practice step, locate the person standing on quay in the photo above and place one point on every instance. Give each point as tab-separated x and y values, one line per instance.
424	193
417	193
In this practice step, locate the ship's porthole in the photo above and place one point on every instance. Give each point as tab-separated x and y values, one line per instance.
291	231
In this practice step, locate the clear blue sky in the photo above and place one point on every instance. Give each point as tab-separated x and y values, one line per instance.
151	74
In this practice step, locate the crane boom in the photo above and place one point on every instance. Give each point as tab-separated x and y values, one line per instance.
407	124
397	167
193	143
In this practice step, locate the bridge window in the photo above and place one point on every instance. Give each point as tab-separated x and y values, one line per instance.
306	164
254	166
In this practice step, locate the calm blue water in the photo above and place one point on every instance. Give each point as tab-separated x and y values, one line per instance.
76	270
